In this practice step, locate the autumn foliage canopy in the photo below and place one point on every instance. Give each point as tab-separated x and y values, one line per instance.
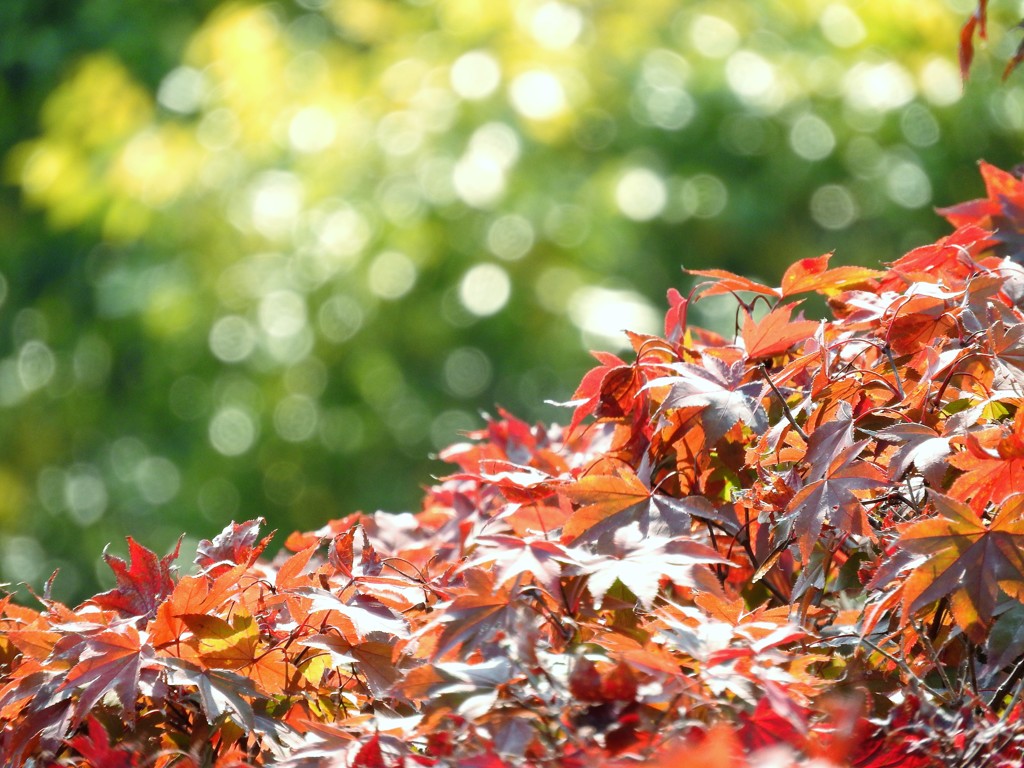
801	543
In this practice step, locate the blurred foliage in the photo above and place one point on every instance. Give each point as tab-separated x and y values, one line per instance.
264	258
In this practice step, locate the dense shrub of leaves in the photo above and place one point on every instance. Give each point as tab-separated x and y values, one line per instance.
802	544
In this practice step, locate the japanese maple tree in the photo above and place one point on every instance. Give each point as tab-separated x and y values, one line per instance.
801	542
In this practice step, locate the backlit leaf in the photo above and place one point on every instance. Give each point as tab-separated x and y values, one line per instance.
832	499
609	502
775	333
813	274
719	394
224	643
514	556
993	470
142	583
221	692
373	660
237	544
110	662
727	282
967	560
366	614
641	564
476	617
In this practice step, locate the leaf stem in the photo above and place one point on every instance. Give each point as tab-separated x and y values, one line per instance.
895	371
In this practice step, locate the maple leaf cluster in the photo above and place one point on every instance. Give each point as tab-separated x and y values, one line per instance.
799	545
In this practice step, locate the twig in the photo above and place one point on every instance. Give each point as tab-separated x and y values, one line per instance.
902	665
937	664
1001	692
785	408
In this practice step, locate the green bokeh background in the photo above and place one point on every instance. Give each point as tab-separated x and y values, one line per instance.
265	259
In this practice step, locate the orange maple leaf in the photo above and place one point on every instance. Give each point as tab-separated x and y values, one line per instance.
235	644
109	663
967	560
775	333
727	282
814	275
1005	193
611	500
191	595
993	468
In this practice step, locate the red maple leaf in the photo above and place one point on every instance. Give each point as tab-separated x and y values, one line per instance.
727	282
975	23
370	755
373	659
361	614
94	745
803	276
675	318
813	274
765	727
642	563
514	556
921	446
237	544
588	395
143	582
717	391
476	616
1004	194
518	483
951	257
221	692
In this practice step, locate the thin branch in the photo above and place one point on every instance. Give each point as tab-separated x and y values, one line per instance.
1003	690
785	407
902	665
930	649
